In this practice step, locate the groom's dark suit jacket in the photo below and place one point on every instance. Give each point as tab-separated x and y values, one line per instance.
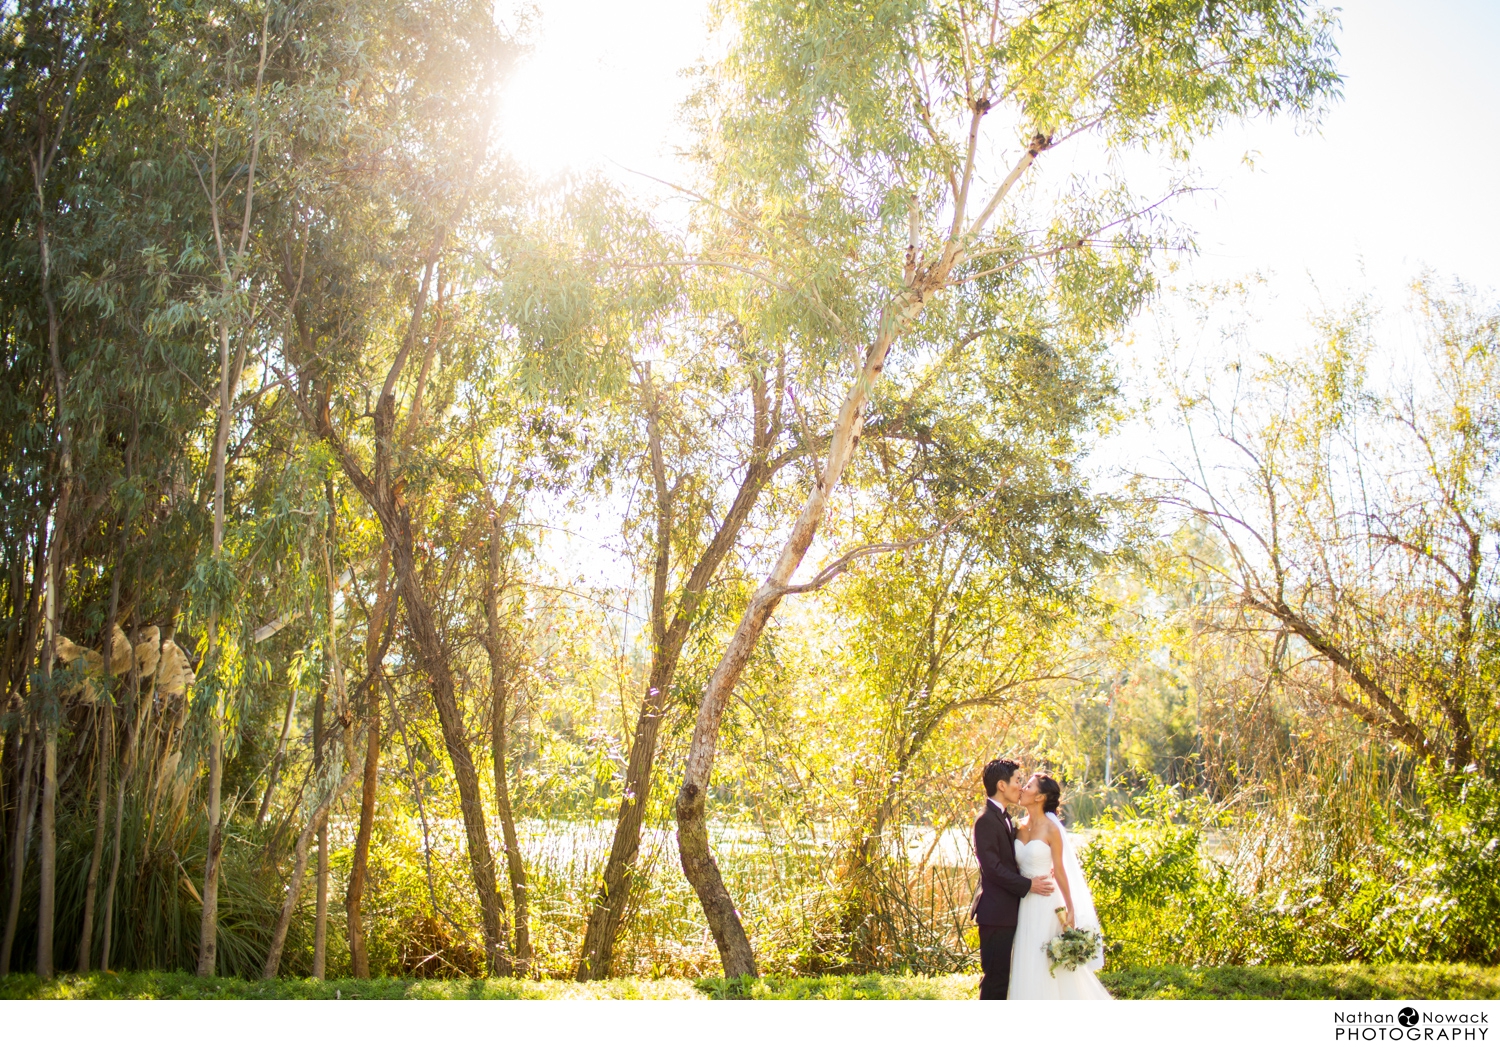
1002	884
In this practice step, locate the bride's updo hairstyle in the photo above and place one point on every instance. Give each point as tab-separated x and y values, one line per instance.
1051	793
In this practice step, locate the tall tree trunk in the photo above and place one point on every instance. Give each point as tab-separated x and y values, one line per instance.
320	735
101	821
105	711
10	782
381	493
668	639
16	590
921	284
47	852
40	166
208	927
10	766
359	956
495	643
377	637
32	623
692	827
51	715
433	662
320	905
299	872
229	373
597	963
25	800
21	836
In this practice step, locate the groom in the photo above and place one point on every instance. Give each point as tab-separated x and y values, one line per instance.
1001	884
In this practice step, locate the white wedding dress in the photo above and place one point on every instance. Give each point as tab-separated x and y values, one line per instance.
1037	923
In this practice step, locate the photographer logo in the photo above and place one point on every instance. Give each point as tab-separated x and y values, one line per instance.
1410	1025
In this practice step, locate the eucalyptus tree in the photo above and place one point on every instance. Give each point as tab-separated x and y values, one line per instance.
985	458
380	279
51	49
215	142
709	420
222	119
880	158
74	317
379	623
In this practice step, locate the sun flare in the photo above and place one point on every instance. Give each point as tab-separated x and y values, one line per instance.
601	85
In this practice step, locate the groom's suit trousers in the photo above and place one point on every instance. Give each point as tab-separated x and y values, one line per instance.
994	957
1001	888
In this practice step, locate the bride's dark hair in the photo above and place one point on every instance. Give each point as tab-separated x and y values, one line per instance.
1051	793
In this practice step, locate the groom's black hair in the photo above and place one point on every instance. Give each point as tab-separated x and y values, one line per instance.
996	771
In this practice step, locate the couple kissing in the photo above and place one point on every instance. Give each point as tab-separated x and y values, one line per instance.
1031	890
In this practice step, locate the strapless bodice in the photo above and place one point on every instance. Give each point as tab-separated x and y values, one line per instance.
1033	858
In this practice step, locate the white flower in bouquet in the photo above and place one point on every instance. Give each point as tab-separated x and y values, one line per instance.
1072	948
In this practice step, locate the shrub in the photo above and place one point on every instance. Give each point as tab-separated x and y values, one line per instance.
1424	889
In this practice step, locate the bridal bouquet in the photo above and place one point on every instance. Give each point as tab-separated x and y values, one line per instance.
1072	948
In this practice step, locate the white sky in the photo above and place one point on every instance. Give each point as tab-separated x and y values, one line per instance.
1401	176
1403	173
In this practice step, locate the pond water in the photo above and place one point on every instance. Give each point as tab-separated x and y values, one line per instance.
566	843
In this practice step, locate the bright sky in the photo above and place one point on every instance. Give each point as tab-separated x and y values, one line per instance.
1403	173
602	84
1401	177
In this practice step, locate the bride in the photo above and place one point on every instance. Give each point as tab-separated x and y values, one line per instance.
1042	846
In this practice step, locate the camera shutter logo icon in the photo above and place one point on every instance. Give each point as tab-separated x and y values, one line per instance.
1407	1016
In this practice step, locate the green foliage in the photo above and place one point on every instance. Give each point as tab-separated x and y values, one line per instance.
156	909
1450	854
1160	903
1169	892
1410	981
1346	981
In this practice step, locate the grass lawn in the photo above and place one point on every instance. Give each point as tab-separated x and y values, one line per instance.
1413	981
